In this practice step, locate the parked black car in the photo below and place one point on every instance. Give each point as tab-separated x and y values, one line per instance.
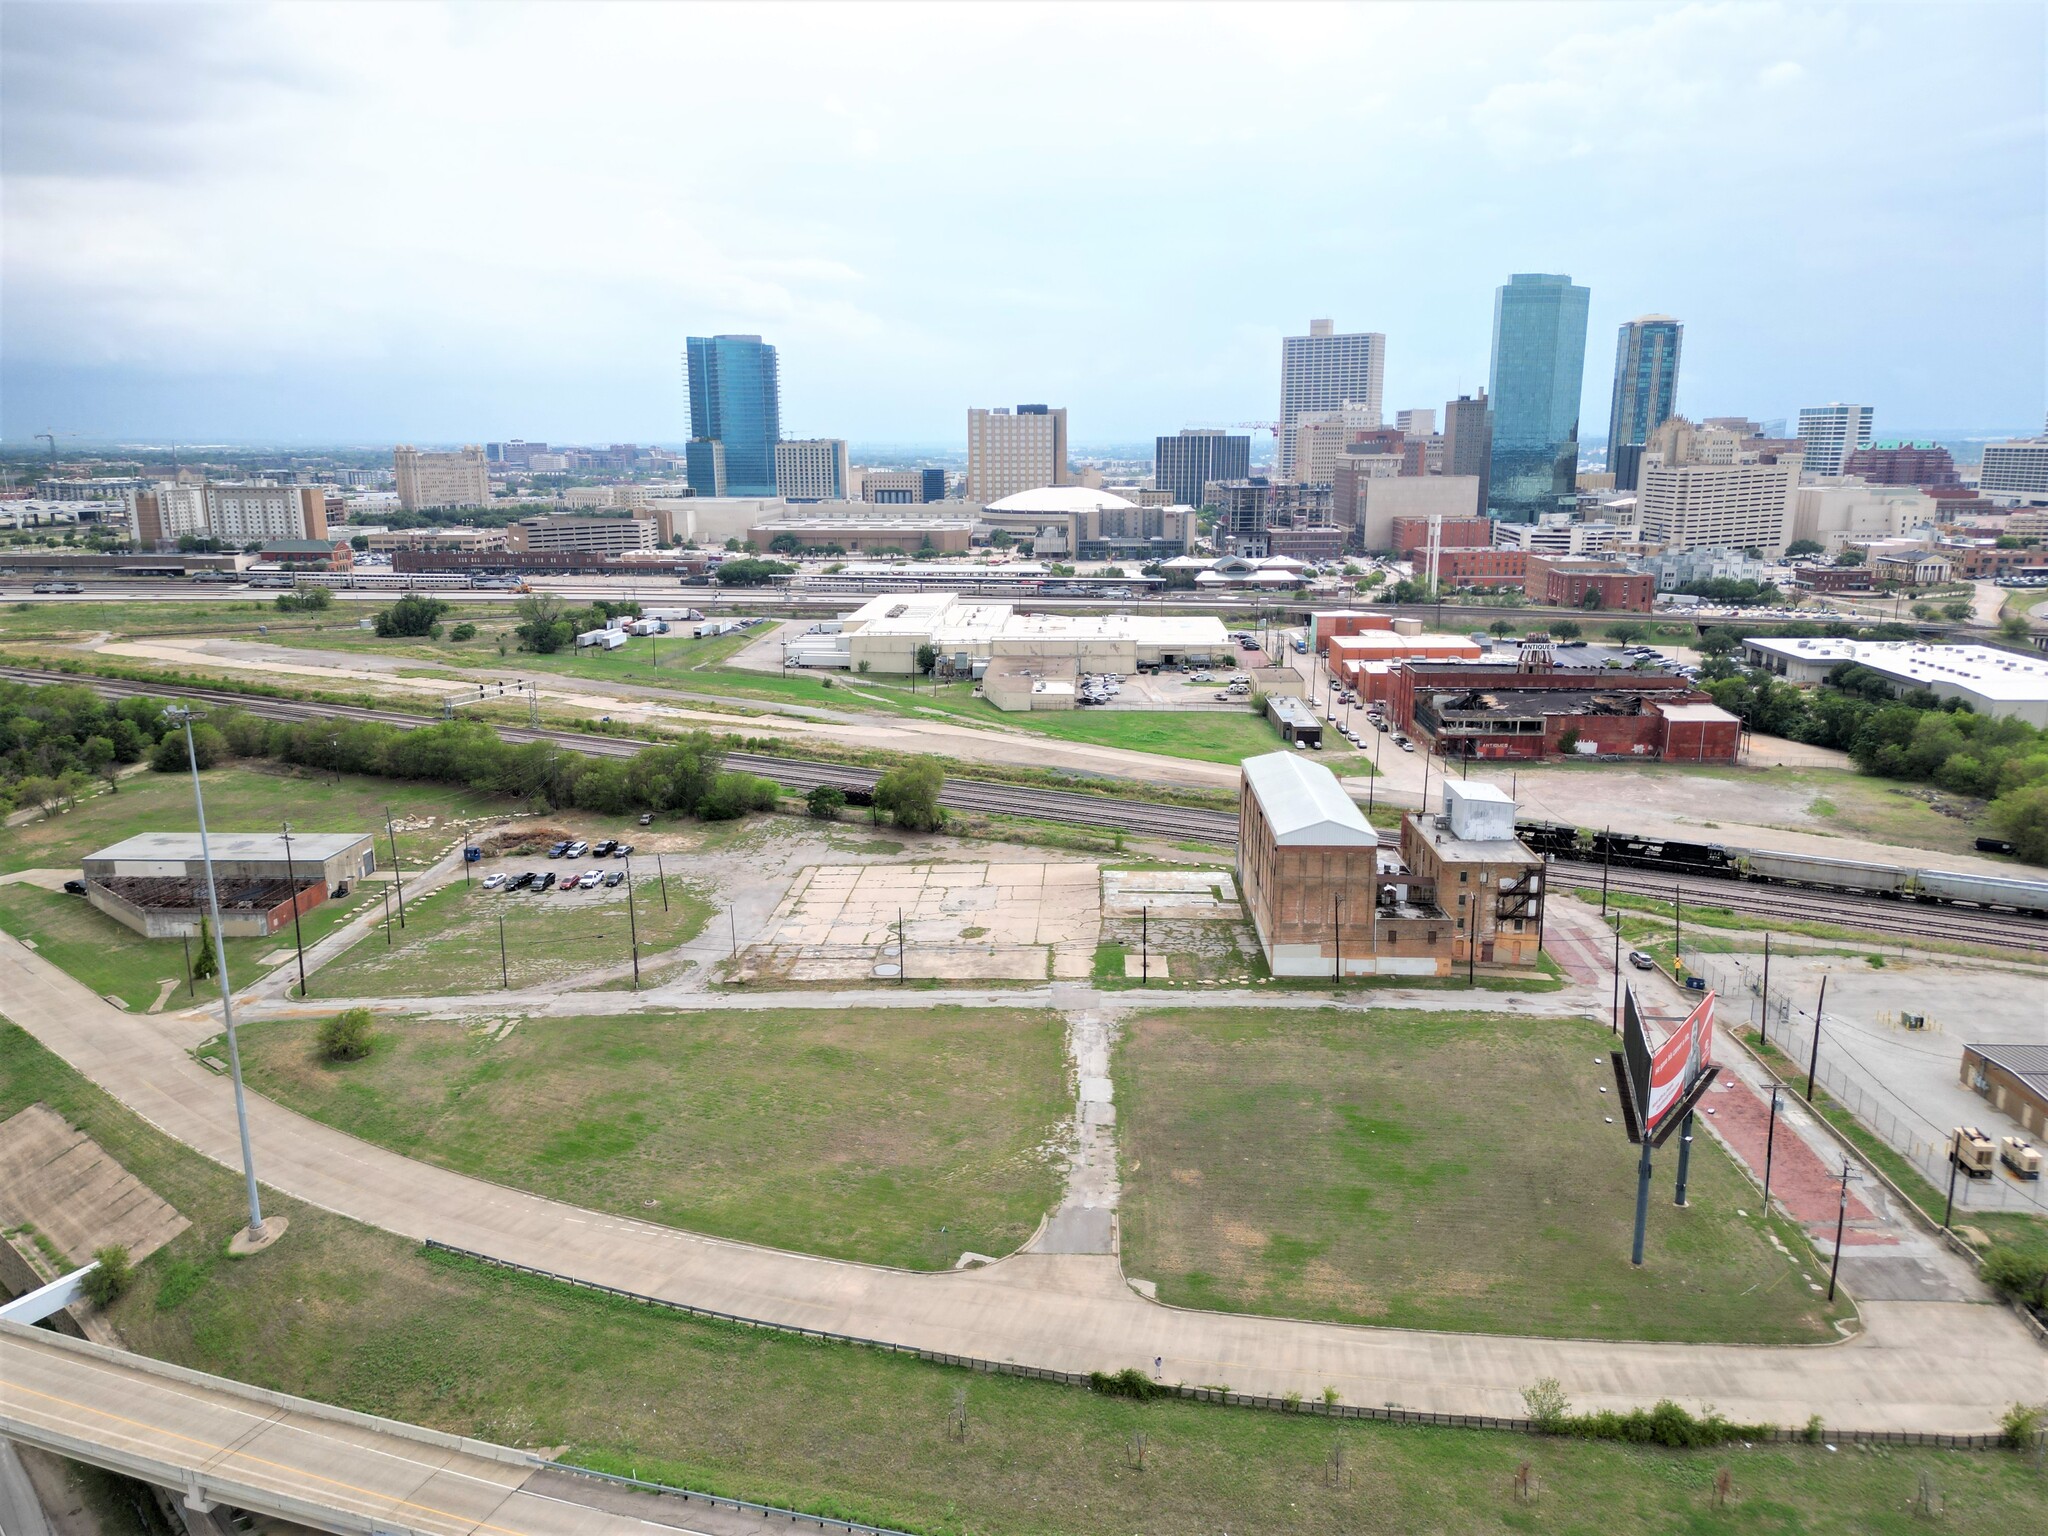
602	847
547	881
614	877
75	887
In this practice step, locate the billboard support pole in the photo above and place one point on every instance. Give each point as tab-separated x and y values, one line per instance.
1617	974
1813	1061
1684	1157
1770	1145
1642	1200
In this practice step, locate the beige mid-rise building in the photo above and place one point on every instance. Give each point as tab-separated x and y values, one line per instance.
1711	487
458	479
1013	451
582	535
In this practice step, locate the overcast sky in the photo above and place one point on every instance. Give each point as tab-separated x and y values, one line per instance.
382	222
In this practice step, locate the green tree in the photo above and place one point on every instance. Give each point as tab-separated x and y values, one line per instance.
1502	627
1850	557
909	795
542	628
96	756
208	745
412	616
463	631
203	963
359	542
1566	629
732	795
2021	817
109	1282
38	792
927	659
346	1036
1591	600
752	573
2012	627
825	801
1804	547
1956	612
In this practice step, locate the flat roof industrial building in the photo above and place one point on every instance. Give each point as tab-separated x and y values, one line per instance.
155	882
1991	681
887	632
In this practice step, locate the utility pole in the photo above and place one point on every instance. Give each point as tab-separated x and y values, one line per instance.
1954	1163
1617	973
902	965
504	976
1677	924
633	925
1606	868
1841	1221
1684	1157
186	940
1813	1062
1770	1145
291	876
182	716
398	879
1763	1017
1145	945
387	916
661	879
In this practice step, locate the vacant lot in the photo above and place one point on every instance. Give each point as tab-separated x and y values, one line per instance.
114	960
895	1136
255	798
451	939
1428	1171
352	1316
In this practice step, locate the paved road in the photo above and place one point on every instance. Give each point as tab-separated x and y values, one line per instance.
1918	1365
21	1512
229	1444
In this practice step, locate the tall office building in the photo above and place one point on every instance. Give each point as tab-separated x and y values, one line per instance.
1708	488
811	469
1324	371
1645	389
1182	465
1468	440
1008	452
1416	423
1538	367
459	479
1831	433
736	400
902	487
254	512
2016	471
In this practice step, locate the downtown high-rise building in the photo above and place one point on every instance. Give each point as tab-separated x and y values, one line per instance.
735	401
1831	433
1325	371
425	480
1537	369
1183	464
1013	451
1645	391
1468	440
811	469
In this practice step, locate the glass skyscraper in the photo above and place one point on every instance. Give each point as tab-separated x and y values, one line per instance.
736	401
1539	364
1645	389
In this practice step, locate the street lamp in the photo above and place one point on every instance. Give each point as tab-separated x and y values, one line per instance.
179	715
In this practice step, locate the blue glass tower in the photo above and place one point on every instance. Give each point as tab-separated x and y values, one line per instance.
736	400
1645	391
1539	364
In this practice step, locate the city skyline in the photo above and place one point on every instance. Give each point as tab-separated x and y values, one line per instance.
488	268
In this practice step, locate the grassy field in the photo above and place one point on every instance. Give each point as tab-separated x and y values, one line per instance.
450	939
113	959
894	1136
255	798
1449	1171
352	1316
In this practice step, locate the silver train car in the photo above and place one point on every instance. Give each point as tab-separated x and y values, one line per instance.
1994	891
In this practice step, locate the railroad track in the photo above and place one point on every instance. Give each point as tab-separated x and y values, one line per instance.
1874	914
1142	817
1148	819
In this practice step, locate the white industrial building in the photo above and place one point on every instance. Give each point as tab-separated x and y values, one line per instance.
1997	683
886	634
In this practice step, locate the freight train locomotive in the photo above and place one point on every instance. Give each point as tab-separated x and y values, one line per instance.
1802	870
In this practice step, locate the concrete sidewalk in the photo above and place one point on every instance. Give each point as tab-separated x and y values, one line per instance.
1918	1365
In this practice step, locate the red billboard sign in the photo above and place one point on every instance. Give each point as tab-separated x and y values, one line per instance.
1659	1086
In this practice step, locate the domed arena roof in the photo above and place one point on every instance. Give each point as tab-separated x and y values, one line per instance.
1059	499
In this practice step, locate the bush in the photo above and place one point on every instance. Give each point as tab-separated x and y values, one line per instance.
909	795
2020	1426
733	795
2018	1274
410	617
1548	1407
312	600
346	1036
208	745
825	802
463	631
108	1283
1128	1382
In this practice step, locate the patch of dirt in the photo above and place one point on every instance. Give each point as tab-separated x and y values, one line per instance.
535	839
1189	1176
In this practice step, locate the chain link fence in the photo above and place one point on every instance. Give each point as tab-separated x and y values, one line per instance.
1921	1142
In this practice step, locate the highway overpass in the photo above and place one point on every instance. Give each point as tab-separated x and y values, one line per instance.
220	1443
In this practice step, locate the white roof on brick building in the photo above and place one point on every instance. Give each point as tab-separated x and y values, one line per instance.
1304	804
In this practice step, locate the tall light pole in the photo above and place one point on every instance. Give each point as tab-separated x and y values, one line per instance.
179	715
291	876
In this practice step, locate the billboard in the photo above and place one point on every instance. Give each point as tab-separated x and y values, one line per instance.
1658	1087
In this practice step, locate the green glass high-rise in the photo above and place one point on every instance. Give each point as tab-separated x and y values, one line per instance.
736	401
1538	368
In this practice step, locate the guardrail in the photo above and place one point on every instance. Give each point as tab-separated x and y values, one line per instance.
1317	1407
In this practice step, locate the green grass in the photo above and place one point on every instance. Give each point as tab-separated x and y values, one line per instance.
113	959
1449	1171
449	943
894	1136
255	797
353	1316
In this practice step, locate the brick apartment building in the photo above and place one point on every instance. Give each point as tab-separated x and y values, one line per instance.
1563	581
1483	567
1412	534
